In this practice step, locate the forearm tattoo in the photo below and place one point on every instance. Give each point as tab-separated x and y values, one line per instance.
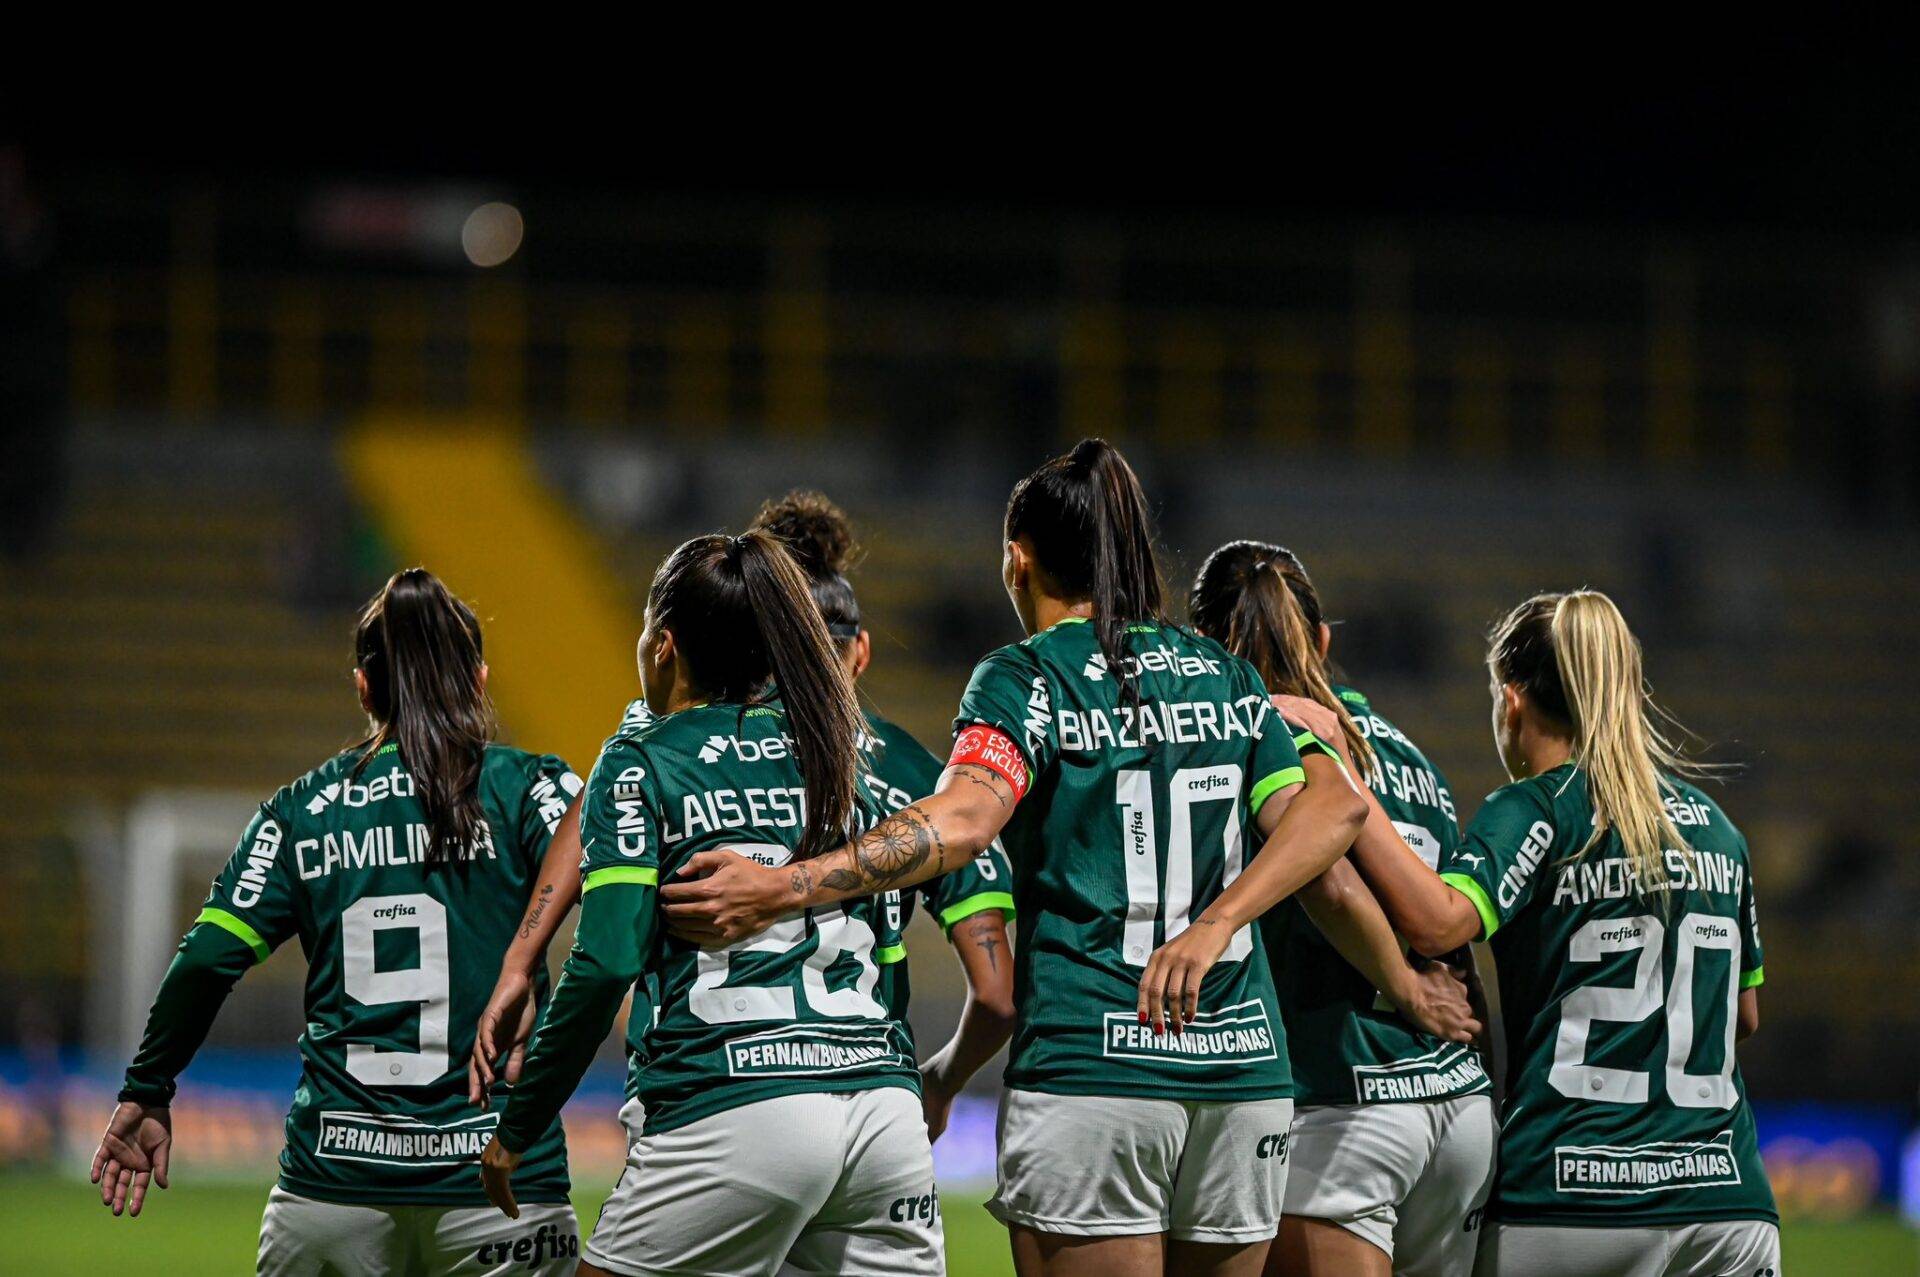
539	908
891	851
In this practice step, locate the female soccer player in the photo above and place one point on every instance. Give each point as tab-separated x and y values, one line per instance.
1619	902
403	866
1145	1125
971	904
1394	1131
782	1117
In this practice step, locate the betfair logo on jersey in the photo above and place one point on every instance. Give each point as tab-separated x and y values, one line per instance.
1445	1071
803	1050
397	783
747	749
388	1139
1629	1170
1155	660
1533	850
1232	1035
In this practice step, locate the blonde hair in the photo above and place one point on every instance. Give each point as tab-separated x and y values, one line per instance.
1575	658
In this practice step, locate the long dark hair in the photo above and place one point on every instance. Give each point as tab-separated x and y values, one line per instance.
419	648
1258	602
1088	521
742	617
820	537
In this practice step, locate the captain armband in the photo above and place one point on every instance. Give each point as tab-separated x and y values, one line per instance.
994	750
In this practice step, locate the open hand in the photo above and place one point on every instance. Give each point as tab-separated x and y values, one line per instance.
133	1152
1170	986
1316	718
720	897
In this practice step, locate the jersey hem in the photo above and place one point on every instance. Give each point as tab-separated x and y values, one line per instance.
336	1195
1628	1219
656	1125
1178	1095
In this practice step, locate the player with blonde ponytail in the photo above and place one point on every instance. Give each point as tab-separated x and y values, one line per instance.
1619	903
1596	668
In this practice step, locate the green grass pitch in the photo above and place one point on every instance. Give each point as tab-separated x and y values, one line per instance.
56	1226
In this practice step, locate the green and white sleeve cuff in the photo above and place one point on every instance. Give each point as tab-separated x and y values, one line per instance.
1489	916
979	902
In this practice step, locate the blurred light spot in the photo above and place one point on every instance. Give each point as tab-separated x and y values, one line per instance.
492	234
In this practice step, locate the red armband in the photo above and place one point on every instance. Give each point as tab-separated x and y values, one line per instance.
994	750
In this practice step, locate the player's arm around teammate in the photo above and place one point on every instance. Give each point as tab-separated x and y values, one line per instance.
756	740
1122	757
1618	899
1393	1129
972	904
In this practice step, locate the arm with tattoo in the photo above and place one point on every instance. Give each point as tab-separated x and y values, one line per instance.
922	840
719	897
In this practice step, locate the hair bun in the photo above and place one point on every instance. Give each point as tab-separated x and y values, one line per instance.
817	532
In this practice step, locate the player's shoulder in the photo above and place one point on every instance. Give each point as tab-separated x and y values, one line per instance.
1557	796
1699	816
318	789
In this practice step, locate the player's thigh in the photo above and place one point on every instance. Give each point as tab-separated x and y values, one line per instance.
1525	1250
1739	1247
1320	1248
300	1237
1044	1254
1437	1232
1351	1167
883	1217
1232	1179
726	1194
1088	1166
482	1242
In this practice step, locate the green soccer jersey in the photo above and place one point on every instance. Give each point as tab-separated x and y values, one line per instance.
791	1011
401	959
900	770
1347	1045
1136	818
1625	1104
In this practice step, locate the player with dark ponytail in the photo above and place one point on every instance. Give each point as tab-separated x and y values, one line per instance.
1120	758
973	903
1394	1130
752	741
426	832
